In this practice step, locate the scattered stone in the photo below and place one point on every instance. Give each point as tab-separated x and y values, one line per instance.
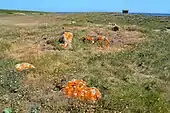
115	27
73	22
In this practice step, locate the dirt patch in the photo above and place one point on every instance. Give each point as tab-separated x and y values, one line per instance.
26	20
75	28
24	51
125	37
27	24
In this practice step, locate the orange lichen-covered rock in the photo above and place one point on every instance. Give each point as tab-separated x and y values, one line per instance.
105	39
92	94
23	66
78	89
67	39
75	82
98	38
68	36
81	95
74	87
68	91
90	39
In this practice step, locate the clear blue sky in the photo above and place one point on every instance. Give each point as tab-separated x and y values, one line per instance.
151	6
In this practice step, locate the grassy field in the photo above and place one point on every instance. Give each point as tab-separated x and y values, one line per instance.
133	74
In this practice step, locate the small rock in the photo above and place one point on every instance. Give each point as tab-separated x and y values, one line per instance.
115	27
73	22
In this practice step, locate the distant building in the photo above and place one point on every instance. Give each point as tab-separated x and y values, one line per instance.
125	11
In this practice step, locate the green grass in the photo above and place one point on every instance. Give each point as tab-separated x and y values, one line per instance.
131	81
10	79
10	12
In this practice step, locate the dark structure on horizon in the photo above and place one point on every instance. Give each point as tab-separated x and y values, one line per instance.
125	11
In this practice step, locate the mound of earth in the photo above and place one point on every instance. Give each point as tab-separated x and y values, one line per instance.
120	40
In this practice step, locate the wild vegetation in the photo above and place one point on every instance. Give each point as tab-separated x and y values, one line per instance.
133	74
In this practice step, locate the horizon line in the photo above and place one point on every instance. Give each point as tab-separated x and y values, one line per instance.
82	11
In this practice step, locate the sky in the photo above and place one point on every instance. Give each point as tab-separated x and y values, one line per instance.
143	6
